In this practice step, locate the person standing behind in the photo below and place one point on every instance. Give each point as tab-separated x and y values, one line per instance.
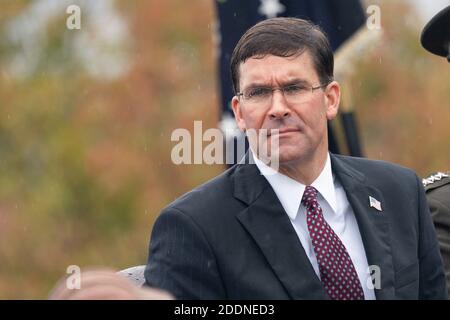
435	38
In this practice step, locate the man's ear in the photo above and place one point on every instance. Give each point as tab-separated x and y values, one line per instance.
236	106
332	99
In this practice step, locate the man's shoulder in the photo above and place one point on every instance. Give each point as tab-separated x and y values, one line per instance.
376	167
436	180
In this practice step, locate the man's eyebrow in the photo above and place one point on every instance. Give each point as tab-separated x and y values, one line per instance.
290	82
257	85
296	81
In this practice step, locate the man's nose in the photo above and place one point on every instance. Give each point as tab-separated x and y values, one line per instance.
279	108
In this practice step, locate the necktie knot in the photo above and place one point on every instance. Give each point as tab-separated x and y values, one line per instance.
309	196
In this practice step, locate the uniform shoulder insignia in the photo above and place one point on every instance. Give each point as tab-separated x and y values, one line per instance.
427	182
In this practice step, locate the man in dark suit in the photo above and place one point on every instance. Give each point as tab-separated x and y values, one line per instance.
297	222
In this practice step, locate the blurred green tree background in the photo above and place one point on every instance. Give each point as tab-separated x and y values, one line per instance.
87	116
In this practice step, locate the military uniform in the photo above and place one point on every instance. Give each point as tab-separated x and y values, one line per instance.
435	38
437	188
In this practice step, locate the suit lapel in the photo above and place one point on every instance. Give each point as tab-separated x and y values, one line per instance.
373	224
270	227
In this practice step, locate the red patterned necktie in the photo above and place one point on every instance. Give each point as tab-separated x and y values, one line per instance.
337	271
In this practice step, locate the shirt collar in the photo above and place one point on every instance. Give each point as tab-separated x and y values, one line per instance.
290	191
326	185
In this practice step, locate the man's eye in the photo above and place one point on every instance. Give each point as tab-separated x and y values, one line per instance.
258	92
295	89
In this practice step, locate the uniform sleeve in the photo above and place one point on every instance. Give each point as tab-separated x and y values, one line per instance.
439	201
432	283
181	260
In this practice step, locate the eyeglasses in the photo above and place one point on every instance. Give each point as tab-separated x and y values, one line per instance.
293	93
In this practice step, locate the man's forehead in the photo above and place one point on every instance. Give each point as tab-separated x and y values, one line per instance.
261	68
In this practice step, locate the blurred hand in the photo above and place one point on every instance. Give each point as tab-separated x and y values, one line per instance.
106	284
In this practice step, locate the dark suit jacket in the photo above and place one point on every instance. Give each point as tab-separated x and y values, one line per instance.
231	238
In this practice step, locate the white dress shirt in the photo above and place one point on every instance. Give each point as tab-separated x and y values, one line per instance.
336	210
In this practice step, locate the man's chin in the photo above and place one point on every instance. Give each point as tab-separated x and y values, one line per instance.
289	155
285	160
284	154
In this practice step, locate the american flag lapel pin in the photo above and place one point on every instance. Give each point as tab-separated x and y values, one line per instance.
374	203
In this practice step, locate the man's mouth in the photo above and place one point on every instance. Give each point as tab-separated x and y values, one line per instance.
282	131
